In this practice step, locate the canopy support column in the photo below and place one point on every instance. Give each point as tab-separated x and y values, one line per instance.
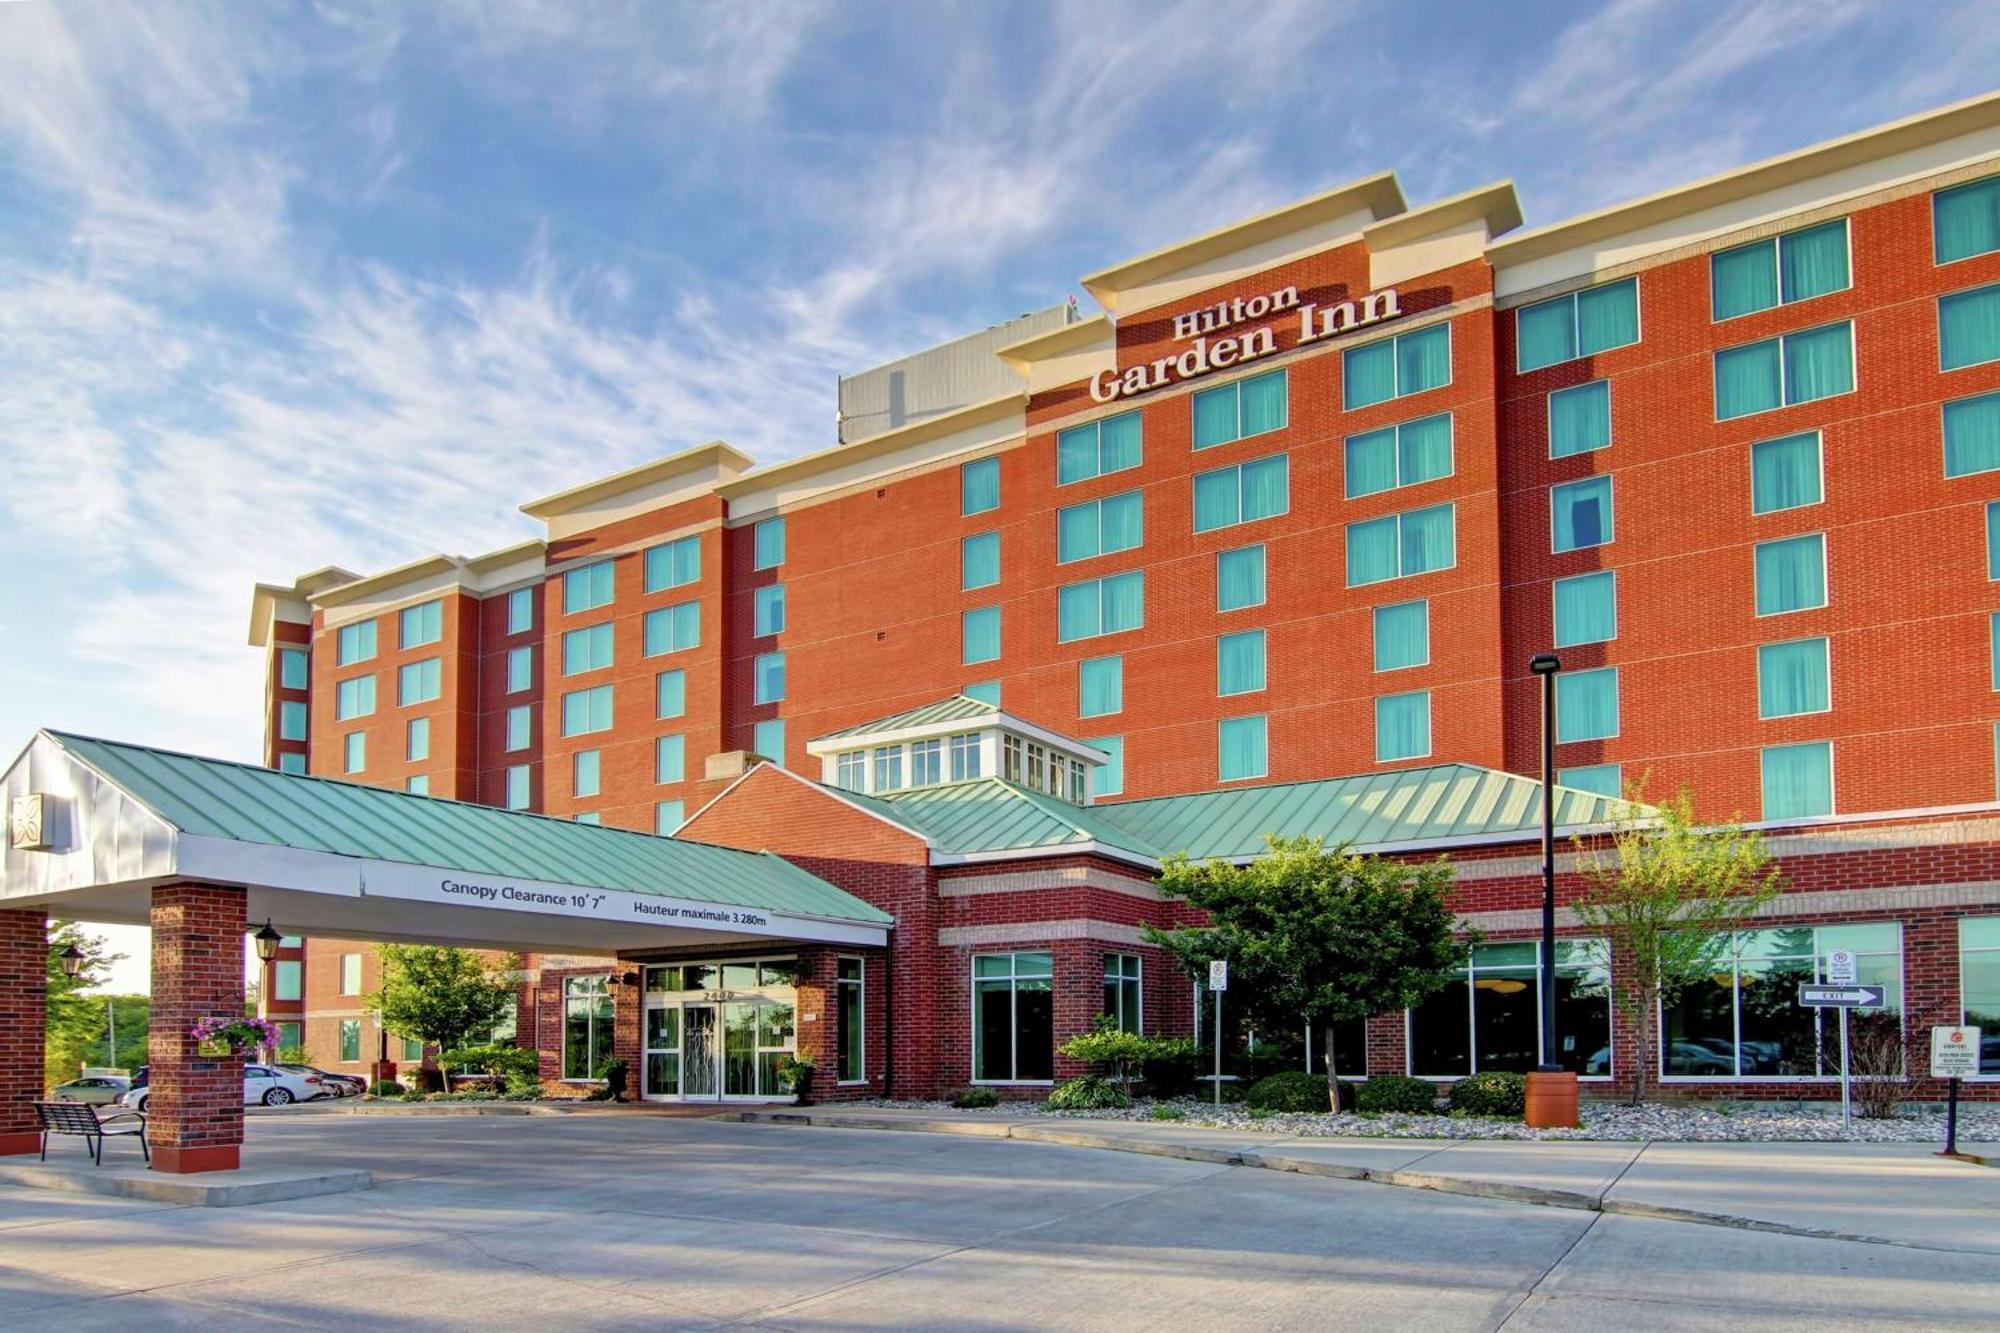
24	986
195	1109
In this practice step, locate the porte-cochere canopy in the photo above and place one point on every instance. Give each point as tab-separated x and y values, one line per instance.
93	825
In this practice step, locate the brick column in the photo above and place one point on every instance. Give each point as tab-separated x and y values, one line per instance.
628	1004
24	961
195	1109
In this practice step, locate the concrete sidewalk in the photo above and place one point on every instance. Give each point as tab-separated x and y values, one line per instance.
1887	1193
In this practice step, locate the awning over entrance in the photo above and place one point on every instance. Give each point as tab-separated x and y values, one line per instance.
94	825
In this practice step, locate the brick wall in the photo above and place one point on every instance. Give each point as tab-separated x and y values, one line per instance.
195	1106
24	958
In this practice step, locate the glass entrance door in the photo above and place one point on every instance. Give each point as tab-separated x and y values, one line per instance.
663	1051
699	1051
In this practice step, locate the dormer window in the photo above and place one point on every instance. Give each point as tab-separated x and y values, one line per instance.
888	767
926	763
964	758
853	774
1010	758
956	740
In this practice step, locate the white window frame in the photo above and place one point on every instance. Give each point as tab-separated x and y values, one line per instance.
1014	979
840	986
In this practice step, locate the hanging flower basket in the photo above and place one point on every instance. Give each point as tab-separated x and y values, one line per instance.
217	1037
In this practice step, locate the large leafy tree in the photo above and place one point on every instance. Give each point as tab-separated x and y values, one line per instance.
77	1026
1667	894
1317	935
442	996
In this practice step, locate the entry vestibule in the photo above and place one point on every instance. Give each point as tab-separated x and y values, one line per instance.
720	1030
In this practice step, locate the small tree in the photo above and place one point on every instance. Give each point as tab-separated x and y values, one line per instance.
1318	936
77	1023
442	996
1667	894
1112	1049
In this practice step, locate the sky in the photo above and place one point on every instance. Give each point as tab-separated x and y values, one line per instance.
290	285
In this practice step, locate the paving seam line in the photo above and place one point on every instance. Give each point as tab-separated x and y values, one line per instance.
1405	1179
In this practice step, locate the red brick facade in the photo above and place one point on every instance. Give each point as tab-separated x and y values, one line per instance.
195	1107
24	960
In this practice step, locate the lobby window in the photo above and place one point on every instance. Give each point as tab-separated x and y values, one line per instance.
520	726
670	759
419	682
851	771
768	543
291	720
586	711
1242	494
421	624
1242	748
1587	705
1402	635
1108	778
1580	514
670	694
673	564
1785	473
888	768
1742	1020
1100	527
1791	574
1396	367
985	691
1580	419
1124	993
292	762
350	974
1583	323
1965	220
517	787
1098	447
587	588
768	678
354	697
768	610
1797	780
417	740
672	629
1972	435
926	763
586	1026
586	771
1603	779
354	752
1013	1018
1101	606
979	635
668	816
1100	686
1779	372
979	561
1394	456
350	1040
1234	411
1402	726
768	739
291	669
1489	1018
850	1031
1239	663
287	980
1792	678
979	486
1979	983
520	669
965	762
1239	578
1586	609
354	643
1969	327
1778	270
1398	545
520	610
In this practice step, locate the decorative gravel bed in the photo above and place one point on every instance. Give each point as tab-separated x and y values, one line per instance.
1710	1122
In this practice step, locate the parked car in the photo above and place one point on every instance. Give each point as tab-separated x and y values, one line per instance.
262	1084
1686	1057
335	1085
100	1088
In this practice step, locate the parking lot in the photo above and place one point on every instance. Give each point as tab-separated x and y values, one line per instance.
627	1220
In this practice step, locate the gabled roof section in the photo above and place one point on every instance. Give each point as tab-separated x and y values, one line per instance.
968	819
958	708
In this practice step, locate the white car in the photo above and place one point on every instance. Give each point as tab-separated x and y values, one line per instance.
262	1085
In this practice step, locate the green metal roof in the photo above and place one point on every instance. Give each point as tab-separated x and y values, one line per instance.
991	816
958	708
216	798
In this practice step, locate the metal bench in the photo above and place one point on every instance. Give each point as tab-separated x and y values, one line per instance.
81	1119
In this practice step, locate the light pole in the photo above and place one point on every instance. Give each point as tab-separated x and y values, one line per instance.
1552	1093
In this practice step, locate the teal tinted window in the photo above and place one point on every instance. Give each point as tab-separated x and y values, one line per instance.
672	628
291	669
520	726
1580	514
770	543
1972	435
979	486
979	560
670	759
1239	663
1965	220
520	610
1798	780
668	816
1108	779
1398	545
1779	270
1792	678
1586	609
1242	749
1100	527
768	739
1791	574
1396	367
1587	705
1233	411
354	643
421	624
587	649
1098	447
1579	419
1993	540
1242	494
354	751
586	770
291	721
1402	635
1101	606
1239	578
586	711
1796	368
979	635
517	787
1403	455
1583	323
587	588
1785	474
674	564
520	669
768	678
768	610
1969	327
1604	779
670	694
419	682
354	697
986	691
1402	726
1100	686
291	761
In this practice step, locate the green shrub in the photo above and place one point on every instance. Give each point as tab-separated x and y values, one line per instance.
1397	1092
1088	1093
1169	1113
1495	1094
386	1090
1171	1069
975	1099
1292	1090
